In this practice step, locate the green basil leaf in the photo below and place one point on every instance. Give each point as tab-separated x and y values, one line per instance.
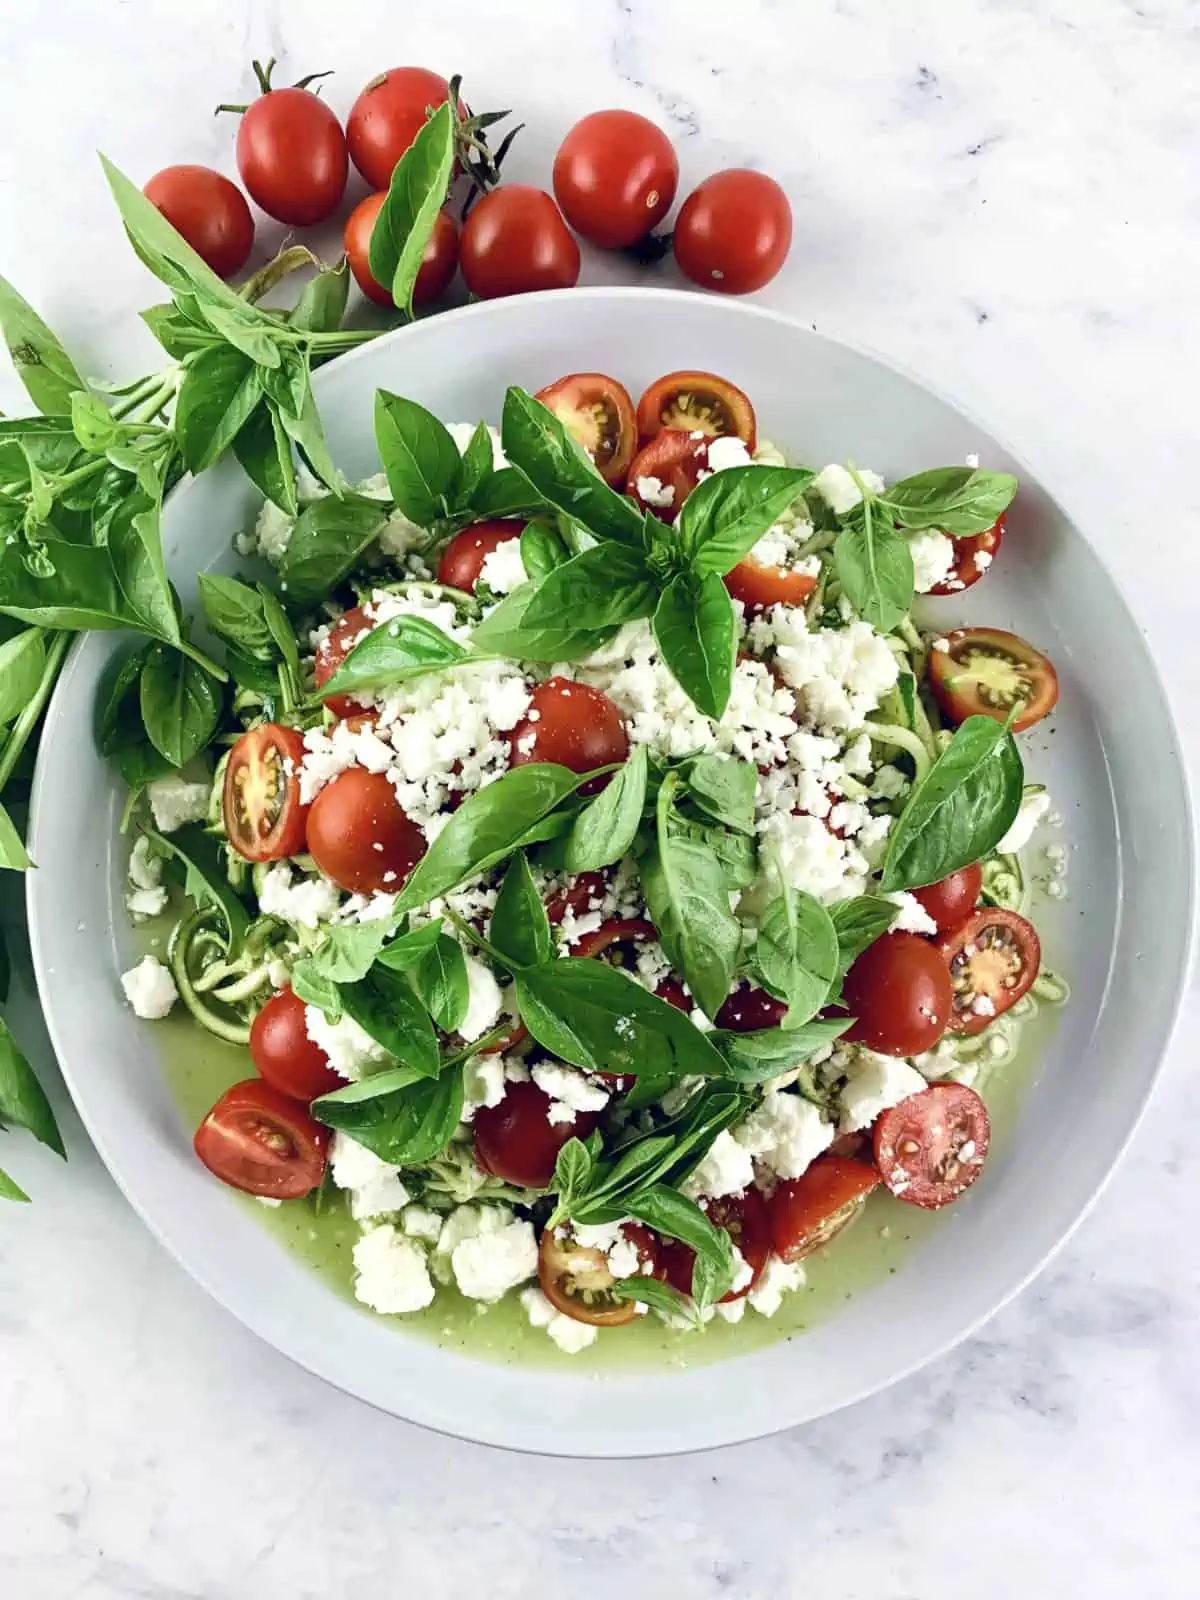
419	456
234	611
542	550
506	493
383	1003
858	923
403	648
441	982
307	432
405	1122
347	952
181	704
605	829
13	855
672	1214
724	788
329	537
796	954
696	632
315	990
259	677
23	1102
93	423
22	663
283	635
875	568
76	589
122	734
10	1190
572	1170
220	390
404	952
607	586
264	452
40	361
539	446
656	1294
178	336
322	302
959	501
757	1057
417	191
520	929
725	516
205	881
135	551
474	468
960	810
504	632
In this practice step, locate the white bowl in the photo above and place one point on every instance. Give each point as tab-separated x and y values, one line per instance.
1121	939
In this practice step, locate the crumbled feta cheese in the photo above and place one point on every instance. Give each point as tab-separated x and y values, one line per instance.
913	916
145	865
1033	808
503	570
889	783
306	901
983	1005
839	674
271	536
728	451
570	1336
776	1279
730	1310
933	559
875	1083
175	802
726	1169
489	1264
150	989
485	1002
392	1275
420	1223
375	1187
569	1088
653	492
982	560
810	857
839	490
483	1083
785	1133
351	1050
143	903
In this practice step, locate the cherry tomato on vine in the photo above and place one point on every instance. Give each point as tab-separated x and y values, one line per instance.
515	1140
932	1146
515	241
259	1140
260	801
438	264
744	1217
972	557
359	835
210	212
986	672
733	233
291	153
598	414
577	1279
806	1212
696	402
388	115
665	471
575	726
899	992
615	177
284	1054
951	900
993	959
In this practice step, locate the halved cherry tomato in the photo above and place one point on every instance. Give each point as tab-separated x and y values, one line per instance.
577	1279
615	177
210	212
951	900
439	262
748	1009
581	894
993	959
575	726
388	115
744	1217
696	402
337	644
966	569
360	836
673	992
759	587
986	672
598	414
463	558
617	931
674	461
264	820
899	992
284	1054
932	1146
733	232
516	1140
261	1141
806	1212
291	153
515	241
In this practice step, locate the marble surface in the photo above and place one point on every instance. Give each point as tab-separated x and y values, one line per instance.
1001	195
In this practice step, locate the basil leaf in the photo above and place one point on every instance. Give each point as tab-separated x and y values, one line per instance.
315	990
606	585
38	358
419	184
542	550
656	1294
220	389
329	537
724	788
383	1003
696	631
122	734
10	1190
875	568
306	431
264	453
13	855
404	952
672	1214
349	951
796	954
234	611
22	662
181	704
322	302
178	335
757	1057
540	447
283	635
960	810
419	456
959	501
504	632
135	550
506	493
402	648
93	424
520	929
205	882
441	982
605	829
858	923
725	516
403	1121
572	1170
23	1101
474	468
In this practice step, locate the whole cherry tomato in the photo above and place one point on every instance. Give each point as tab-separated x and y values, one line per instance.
284	1054
439	263
733	233
900	994
515	241
210	212
388	115
575	725
291	153
463	558
360	836
615	177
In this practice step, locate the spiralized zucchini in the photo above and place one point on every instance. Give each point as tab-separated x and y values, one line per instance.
222	990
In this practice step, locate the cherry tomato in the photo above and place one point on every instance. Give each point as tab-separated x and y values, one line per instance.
516	1140
617	931
261	1141
337	644
951	901
733	233
515	241
806	1212
291	153
759	587
986	672
967	568
993	958
284	1054
932	1146
388	115
674	461
696	402
264	820
899	992
463	558
577	1279
744	1217
598	414
210	212
438	264
748	1009
581	894
359	836
673	992
615	177
575	726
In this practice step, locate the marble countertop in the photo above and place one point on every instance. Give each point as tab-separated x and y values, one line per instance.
999	194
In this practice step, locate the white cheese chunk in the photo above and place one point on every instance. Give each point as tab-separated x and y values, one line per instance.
351	1050
1033	808
503	570
489	1264
839	490
150	989
570	1336
875	1083
294	898
174	802
485	1002
374	1186
913	916
785	1133
726	1169
776	1280
392	1275
933	559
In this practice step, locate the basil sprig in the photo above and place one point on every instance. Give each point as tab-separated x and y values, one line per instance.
959	501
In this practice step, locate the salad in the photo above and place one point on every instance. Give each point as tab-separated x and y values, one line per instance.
610	883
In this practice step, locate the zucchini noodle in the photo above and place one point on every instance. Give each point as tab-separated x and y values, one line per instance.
1004	884
196	944
891	733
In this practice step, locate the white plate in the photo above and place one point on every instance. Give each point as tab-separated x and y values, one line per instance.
1121	939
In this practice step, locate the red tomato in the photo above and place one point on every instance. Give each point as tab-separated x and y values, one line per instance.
210	212
899	992
951	901
438	264
615	176
577	1279
284	1054
671	461
744	1217
575	726
617	931
806	1212
747	1009
388	115
516	1140
759	587
967	570
581	894
986	672
993	958
733	233
337	644
360	837
291	153
598	414
673	992
264	820
463	558
259	1140
932	1146
696	402
514	241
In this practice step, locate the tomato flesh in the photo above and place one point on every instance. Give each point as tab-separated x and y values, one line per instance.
261	1141
748	1009
986	672
575	726
598	414
577	1279
696	402
952	900
899	993
967	569
744	1217
582	894
359	835
931	1147
439	261
337	644
463	558
515	241
806	1212
284	1054
291	153
210	212
759	587
992	958
665	471
516	1140
260	801
733	232
615	177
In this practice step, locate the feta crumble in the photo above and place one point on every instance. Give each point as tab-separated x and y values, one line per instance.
503	570
375	1188
875	1083
391	1272
150	989
785	1134
351	1050
570	1336
174	802
933	559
